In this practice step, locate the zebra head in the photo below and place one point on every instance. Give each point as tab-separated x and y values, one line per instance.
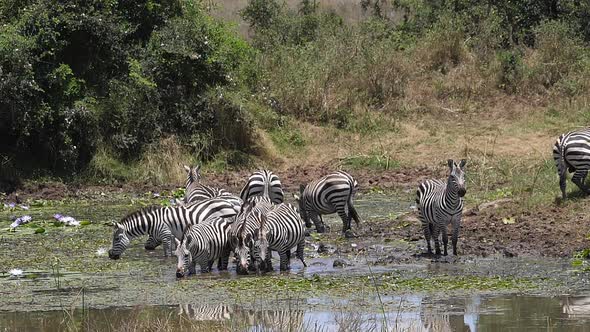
261	244
120	242
243	240
301	202
184	257
457	176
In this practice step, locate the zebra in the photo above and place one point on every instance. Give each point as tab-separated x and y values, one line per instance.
199	312
196	192
441	203
332	193
161	223
280	230
245	233
202	244
263	183
571	152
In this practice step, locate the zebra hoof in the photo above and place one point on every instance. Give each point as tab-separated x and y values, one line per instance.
349	234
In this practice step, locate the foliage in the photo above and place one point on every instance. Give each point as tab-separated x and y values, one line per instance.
74	76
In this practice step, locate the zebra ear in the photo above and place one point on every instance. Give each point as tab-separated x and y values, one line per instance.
451	163
301	189
198	170
187	169
462	163
297	197
177	242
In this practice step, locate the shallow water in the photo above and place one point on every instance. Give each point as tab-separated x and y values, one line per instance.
415	313
63	274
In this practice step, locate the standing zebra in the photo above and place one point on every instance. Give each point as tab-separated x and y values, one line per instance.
202	244
441	203
571	152
245	233
205	312
196	192
332	193
162	223
280	229
263	183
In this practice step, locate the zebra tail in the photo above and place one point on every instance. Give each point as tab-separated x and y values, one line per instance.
351	208
561	166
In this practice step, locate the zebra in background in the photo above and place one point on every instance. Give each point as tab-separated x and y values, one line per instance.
197	192
263	183
332	193
245	233
571	152
199	312
280	229
202	244
162	223
441	203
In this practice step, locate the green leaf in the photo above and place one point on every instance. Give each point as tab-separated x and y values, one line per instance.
40	230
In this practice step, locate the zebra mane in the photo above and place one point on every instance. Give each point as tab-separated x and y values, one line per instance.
138	213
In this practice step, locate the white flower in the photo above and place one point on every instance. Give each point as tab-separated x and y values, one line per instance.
16	272
101	251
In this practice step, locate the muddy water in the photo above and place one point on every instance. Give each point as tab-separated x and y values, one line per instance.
66	284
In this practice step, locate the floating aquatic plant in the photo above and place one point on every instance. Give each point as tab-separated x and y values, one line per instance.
20	221
101	251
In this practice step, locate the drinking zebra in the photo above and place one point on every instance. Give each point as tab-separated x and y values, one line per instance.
441	203
571	152
332	193
202	244
280	230
196	192
263	183
162	223
245	233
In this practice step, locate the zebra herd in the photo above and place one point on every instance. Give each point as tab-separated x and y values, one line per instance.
213	223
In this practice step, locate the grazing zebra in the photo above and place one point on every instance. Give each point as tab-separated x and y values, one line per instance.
441	203
161	223
332	193
263	183
245	233
280	229
196	192
202	244
199	312
571	152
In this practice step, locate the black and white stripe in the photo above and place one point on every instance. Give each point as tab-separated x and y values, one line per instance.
263	183
202	244
195	191
440	203
245	232
332	193
571	152
280	230
163	223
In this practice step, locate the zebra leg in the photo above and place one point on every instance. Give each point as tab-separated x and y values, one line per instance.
435	235
152	243
455	236
445	239
353	213
318	222
167	241
562	183
223	261
268	261
299	252
427	229
284	260
579	178
344	214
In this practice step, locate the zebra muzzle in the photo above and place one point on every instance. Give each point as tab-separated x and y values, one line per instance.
179	273
113	256
462	192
